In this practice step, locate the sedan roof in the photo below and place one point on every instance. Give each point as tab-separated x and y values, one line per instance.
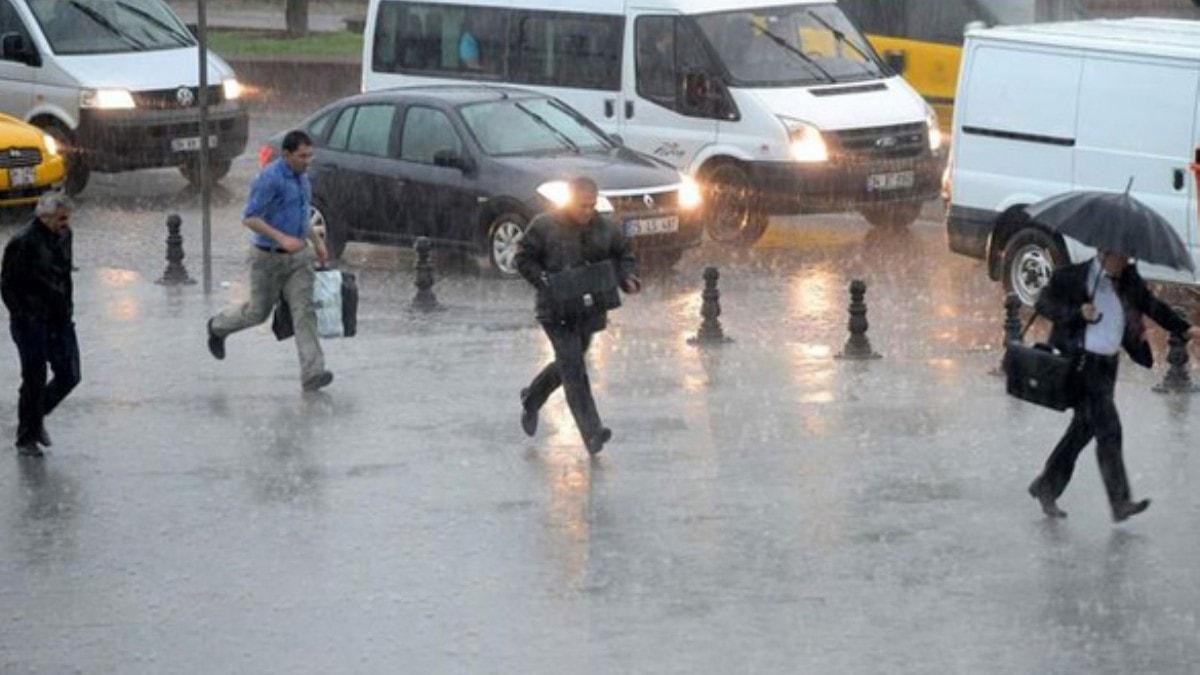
450	94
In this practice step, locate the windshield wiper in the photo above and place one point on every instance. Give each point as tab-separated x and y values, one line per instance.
103	22
843	40
808	60
559	135
155	21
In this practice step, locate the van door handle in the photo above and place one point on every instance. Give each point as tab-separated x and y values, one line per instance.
610	107
1180	177
628	110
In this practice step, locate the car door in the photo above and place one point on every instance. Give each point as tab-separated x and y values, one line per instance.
661	51
18	78
354	177
439	201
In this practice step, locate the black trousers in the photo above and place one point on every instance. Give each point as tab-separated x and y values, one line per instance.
569	370
1095	417
40	344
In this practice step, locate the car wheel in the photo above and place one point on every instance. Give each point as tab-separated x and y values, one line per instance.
77	170
892	216
732	214
504	236
217	169
1030	257
335	237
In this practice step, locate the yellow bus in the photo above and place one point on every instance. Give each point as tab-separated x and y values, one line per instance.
922	39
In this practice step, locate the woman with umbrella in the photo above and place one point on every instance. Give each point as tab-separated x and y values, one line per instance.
1097	308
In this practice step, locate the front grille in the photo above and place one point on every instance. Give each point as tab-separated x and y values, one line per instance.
17	157
188	129
170	99
637	203
893	142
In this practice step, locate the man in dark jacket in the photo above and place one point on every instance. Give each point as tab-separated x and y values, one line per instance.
1097	308
35	281
574	236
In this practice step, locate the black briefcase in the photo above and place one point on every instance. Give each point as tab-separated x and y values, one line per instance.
281	322
1040	375
584	290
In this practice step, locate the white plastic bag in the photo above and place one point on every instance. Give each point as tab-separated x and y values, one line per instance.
327	298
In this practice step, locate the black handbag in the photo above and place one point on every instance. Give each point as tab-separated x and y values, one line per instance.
1041	375
584	290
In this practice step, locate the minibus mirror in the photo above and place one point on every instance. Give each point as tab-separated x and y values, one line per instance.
15	48
194	29
620	142
896	60
452	160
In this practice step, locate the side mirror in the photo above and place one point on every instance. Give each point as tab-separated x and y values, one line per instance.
16	48
616	138
896	60
452	160
194	29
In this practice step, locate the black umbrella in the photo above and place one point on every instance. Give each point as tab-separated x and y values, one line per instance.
1114	221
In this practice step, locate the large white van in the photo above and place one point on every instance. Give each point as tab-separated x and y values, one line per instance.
778	107
116	82
1050	108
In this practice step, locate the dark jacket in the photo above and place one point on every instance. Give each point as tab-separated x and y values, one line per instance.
35	277
1068	291
551	246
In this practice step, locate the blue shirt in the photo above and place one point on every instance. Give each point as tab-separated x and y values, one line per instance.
280	197
468	49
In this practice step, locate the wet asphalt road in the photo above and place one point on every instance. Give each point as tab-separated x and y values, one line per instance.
763	507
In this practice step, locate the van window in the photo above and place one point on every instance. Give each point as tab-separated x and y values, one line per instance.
372	130
668	50
466	42
426	133
104	26
340	138
581	51
10	21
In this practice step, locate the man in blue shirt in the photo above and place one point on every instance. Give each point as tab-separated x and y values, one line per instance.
277	214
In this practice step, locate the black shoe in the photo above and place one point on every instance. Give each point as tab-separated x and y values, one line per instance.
44	438
29	449
1124	510
529	418
216	343
1048	506
319	382
596	442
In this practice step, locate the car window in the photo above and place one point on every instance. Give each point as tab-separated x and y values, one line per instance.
426	133
340	138
372	131
319	126
468	42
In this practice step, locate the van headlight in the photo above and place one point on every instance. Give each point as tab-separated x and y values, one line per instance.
807	143
558	193
689	193
51	145
233	89
935	131
106	99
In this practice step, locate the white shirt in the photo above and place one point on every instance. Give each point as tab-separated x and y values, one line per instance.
1105	336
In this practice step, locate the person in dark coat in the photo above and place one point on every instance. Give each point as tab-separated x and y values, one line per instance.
1097	308
574	236
35	282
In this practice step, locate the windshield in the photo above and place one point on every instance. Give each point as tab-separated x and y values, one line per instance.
1008	12
531	126
790	46
108	26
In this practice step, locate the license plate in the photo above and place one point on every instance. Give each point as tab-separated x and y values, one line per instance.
643	227
191	144
21	177
899	180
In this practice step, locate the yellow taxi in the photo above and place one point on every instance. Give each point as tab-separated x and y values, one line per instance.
30	163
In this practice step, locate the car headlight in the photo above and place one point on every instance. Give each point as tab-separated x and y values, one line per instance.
50	143
807	143
689	193
558	193
106	99
233	89
935	131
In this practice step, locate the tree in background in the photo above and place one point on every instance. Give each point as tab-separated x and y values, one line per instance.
296	14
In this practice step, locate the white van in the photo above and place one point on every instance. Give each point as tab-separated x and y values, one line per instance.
778	107
116	83
1051	108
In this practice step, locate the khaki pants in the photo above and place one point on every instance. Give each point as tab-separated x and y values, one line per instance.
272	274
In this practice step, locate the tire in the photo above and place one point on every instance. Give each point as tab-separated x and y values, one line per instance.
892	216
335	237
77	170
732	214
503	235
1030	257
217	169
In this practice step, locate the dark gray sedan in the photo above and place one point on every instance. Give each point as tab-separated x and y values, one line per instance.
470	166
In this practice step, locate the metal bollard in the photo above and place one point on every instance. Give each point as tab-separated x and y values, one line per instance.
1178	379
175	274
858	347
425	300
711	332
1012	328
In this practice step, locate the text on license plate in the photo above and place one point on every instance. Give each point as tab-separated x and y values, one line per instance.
899	180
191	144
22	176
642	227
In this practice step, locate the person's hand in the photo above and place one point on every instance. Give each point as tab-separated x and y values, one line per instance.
290	244
1089	313
631	285
322	253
